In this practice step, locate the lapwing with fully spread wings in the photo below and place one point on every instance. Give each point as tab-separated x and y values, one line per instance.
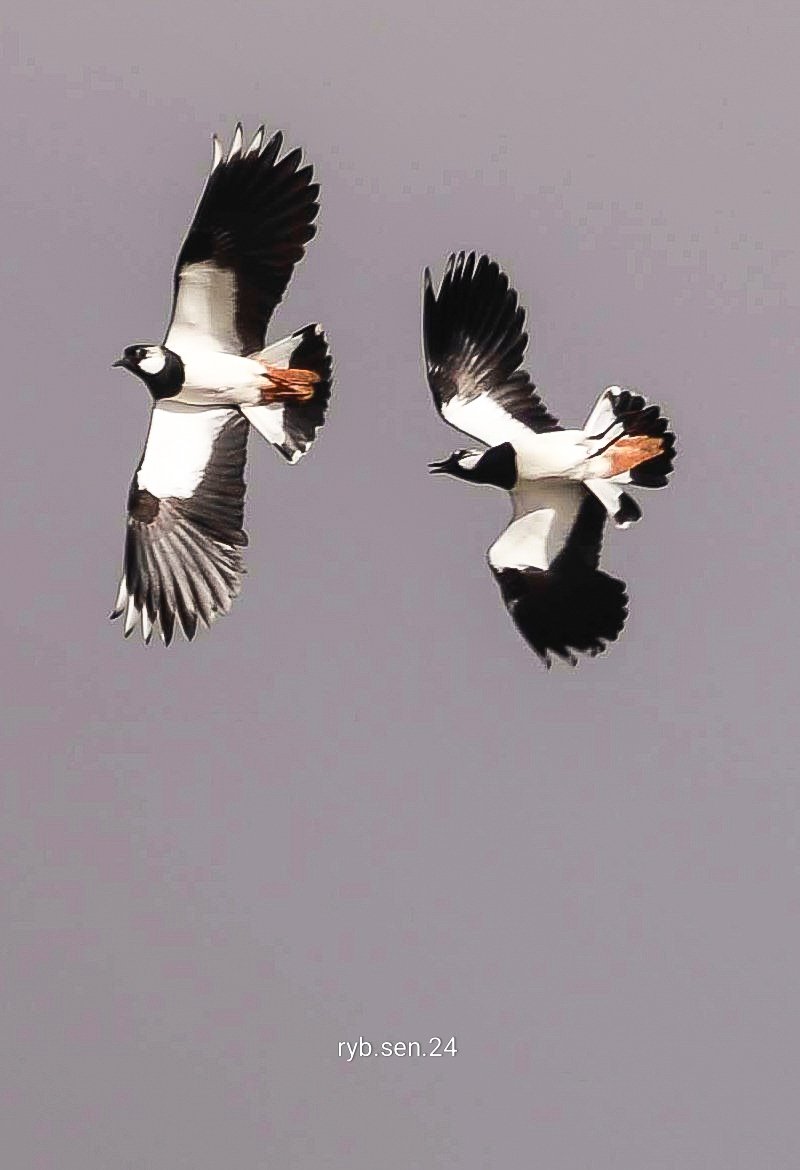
563	483
212	378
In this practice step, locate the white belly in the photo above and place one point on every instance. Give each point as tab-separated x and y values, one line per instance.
558	453
220	379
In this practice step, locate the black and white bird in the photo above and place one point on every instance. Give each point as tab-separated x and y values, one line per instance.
211	379
563	483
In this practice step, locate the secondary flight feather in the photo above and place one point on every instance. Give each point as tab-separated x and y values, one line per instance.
563	483
214	377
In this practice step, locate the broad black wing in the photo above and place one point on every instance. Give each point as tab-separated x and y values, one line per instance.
251	227
184	537
474	338
546	564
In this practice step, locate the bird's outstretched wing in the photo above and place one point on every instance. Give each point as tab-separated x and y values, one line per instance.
474	338
546	564
252	224
183	559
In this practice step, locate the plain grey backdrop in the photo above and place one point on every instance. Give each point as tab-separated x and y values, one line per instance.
359	806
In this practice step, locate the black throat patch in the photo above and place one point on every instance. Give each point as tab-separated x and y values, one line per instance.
498	466
169	381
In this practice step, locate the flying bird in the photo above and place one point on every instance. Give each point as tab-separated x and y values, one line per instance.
211	379
563	484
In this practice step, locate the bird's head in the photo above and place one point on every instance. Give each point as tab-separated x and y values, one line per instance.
456	464
160	368
497	466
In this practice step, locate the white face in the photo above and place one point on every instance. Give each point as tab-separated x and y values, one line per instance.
154	360
469	459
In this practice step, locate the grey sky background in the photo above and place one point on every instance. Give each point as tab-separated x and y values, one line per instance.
358	806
